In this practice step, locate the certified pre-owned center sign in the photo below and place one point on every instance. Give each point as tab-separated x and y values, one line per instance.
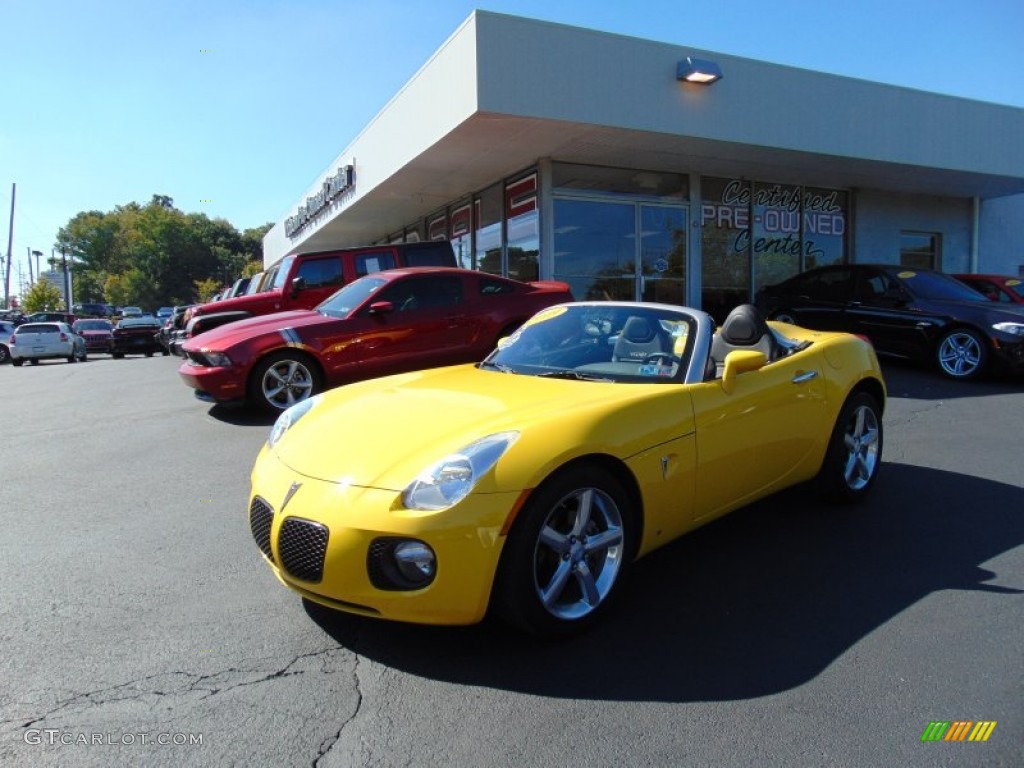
332	188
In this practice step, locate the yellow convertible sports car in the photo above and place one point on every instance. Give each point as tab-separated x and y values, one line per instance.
528	483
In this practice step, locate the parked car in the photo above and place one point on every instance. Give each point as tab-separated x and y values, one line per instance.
6	331
39	341
51	317
913	313
98	334
136	336
163	313
397	320
530	482
171	335
131	312
303	280
92	310
1001	288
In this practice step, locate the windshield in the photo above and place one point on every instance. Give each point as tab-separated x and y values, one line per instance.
341	303
283	269
92	325
935	285
628	343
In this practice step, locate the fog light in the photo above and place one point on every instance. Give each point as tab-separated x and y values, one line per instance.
415	561
400	564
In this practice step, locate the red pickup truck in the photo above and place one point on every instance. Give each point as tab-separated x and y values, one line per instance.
303	280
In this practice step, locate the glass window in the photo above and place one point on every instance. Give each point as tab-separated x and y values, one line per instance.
618	181
776	241
825	213
595	248
920	250
367	263
437	229
493	287
523	229
425	292
461	235
487	218
725	244
321	273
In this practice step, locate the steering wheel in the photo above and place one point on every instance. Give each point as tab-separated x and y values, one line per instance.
666	356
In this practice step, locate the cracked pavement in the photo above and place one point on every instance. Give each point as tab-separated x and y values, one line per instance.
134	604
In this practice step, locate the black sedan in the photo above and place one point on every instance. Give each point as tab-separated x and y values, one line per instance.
913	313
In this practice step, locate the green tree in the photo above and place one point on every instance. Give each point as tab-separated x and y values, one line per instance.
42	296
207	289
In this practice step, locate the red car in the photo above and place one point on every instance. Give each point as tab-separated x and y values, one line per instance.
1005	290
98	334
387	322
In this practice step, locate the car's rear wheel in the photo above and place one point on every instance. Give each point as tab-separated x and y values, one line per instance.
34	361
5	354
282	379
962	354
566	554
854	452
17	363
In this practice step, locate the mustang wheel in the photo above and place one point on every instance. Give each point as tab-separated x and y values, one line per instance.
282	379
962	354
854	451
566	553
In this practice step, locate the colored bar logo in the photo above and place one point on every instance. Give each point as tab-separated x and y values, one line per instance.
958	730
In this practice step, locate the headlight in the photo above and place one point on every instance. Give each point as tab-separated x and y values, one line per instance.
450	480
1014	329
217	359
290	418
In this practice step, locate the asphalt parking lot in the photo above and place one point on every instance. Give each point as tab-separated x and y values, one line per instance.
140	627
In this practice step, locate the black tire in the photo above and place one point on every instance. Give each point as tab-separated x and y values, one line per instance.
149	353
854	453
84	357
117	355
73	358
17	363
567	553
282	379
962	354
5	354
34	361
165	352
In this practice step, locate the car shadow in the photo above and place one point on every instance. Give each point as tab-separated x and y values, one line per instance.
906	379
753	604
241	416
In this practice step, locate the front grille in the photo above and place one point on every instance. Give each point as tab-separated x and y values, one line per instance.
302	545
261	518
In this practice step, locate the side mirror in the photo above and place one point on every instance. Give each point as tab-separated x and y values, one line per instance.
741	361
298	285
382	308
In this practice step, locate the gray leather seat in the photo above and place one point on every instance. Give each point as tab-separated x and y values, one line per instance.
639	339
744	329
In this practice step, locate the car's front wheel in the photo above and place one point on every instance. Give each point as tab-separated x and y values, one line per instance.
566	554
5	354
854	452
17	362
282	379
962	354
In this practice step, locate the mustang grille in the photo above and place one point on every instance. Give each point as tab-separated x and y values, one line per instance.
302	545
261	518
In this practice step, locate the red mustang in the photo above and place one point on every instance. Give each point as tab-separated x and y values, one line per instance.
1001	288
387	322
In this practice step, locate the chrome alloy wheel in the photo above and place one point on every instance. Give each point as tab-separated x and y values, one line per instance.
862	443
960	354
578	554
286	382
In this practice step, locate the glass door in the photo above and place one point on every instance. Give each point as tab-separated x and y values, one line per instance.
621	251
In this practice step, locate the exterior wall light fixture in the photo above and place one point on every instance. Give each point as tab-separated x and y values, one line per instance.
702	71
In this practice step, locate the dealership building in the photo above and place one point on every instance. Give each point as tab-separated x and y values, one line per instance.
634	169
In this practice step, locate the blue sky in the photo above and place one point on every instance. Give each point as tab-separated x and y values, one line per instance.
233	107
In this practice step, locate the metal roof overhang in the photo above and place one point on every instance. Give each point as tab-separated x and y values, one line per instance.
486	148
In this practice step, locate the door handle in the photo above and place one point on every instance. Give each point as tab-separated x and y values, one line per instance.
806	376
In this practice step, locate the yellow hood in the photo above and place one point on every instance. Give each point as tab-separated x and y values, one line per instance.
382	433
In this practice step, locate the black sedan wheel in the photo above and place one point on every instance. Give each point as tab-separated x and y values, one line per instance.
5	354
283	379
566	554
962	354
854	451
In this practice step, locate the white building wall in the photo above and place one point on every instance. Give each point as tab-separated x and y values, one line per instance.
879	217
1001	243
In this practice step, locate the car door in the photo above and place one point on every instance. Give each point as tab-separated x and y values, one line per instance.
769	427
883	310
818	298
417	321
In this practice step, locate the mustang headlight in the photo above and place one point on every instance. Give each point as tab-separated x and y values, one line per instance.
290	417
217	359
1014	329
451	479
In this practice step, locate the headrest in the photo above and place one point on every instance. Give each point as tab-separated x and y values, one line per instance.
638	330
744	326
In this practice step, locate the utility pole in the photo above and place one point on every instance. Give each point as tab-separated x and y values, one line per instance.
10	244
